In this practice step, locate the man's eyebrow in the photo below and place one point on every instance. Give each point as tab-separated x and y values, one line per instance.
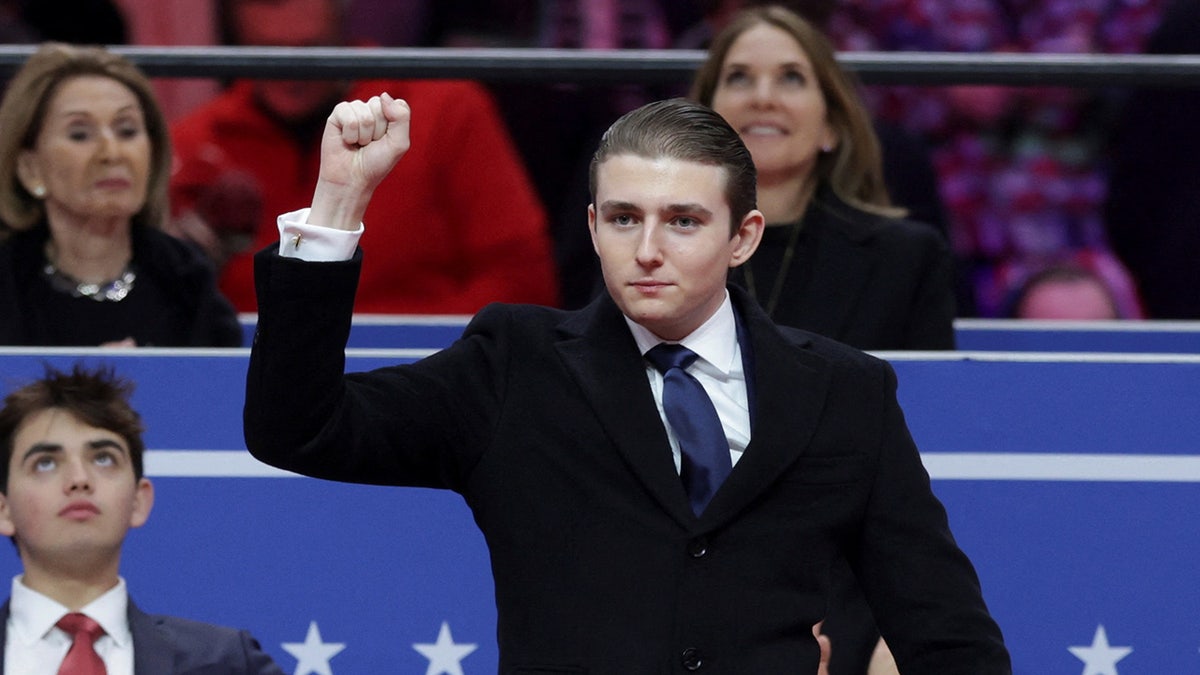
692	208
618	205
106	443
49	448
41	449
698	209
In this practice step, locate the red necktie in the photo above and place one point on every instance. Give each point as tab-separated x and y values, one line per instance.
82	658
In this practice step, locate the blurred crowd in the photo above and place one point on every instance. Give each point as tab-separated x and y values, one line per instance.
1022	171
1023	174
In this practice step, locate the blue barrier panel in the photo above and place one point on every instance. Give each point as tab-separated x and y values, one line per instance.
386	331
1158	337
370	331
1070	481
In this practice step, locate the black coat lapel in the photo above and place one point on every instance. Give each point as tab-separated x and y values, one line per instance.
790	384
602	355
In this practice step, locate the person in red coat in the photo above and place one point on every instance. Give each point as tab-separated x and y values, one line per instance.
463	226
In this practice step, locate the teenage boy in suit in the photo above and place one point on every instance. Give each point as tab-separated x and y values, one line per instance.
561	435
72	487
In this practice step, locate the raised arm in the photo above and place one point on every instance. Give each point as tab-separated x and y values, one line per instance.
363	140
294	380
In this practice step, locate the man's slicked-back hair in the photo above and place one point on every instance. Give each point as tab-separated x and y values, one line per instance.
98	398
688	131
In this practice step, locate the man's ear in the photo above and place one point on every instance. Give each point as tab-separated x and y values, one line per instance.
7	528
143	502
747	237
592	227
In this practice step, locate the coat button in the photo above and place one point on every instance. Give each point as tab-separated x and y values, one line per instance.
698	547
691	659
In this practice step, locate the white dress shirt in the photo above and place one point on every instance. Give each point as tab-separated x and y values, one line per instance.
33	644
315	243
719	370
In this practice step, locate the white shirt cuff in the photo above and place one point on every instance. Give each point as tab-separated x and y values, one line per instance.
315	243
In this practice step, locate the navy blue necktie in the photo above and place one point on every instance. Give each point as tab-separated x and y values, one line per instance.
690	412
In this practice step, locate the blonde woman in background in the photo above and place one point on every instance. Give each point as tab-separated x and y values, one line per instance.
837	258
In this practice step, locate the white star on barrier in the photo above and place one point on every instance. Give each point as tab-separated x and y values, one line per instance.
445	657
1100	658
313	654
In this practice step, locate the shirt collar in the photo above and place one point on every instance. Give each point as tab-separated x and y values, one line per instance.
715	340
33	614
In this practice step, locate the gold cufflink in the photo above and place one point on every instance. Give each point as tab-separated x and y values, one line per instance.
296	240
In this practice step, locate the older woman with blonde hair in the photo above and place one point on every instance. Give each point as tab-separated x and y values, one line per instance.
837	257
84	162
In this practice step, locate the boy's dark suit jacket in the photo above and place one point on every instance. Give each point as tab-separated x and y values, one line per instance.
544	421
168	645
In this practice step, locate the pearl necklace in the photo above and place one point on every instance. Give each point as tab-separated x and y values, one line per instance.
109	291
